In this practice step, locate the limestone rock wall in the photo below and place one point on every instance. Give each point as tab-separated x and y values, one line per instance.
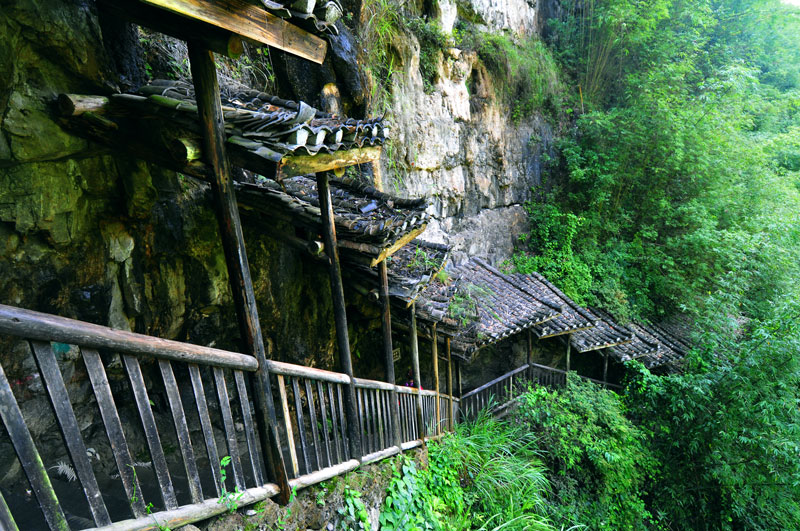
458	144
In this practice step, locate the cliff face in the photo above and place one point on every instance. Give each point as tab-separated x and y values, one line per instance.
458	143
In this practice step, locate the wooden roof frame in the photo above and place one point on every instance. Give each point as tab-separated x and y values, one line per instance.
246	20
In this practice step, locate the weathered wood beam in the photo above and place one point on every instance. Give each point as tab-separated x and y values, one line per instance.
449	383
293	165
217	40
339	314
569	346
435	354
204	75
251	22
415	364
396	246
605	369
77	104
530	346
388	357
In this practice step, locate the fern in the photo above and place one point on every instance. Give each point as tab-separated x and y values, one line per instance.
65	470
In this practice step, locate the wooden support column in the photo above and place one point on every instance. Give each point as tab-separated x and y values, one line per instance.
449	383
415	364
458	377
339	315
435	353
605	369
204	75
388	359
569	346
530	347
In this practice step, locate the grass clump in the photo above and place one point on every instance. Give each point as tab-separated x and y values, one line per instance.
431	42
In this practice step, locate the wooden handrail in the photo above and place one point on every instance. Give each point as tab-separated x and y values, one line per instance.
45	327
495	381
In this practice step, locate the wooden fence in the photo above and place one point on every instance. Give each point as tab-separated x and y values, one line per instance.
181	480
500	392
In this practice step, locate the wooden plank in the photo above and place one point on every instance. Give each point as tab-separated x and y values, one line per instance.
251	22
139	389
45	327
337	439
388	359
339	312
287	424
288	369
378	420
301	425
204	75
29	457
249	431
293	165
361	416
342	425
313	417
324	415
397	245
59	399
230	427
181	430
205	425
6	518
113	425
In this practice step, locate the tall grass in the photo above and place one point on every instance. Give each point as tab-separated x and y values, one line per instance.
500	473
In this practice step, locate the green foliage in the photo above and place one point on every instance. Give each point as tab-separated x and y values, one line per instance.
229	499
353	514
431	42
551	252
409	503
463	305
383	22
597	459
525	73
728	434
281	523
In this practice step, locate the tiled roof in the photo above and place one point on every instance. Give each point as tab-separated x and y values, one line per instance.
267	126
317	17
572	317
367	221
672	349
605	333
643	344
481	305
411	268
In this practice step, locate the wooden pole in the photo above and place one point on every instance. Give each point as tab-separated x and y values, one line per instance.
530	347
458	377
339	315
415	364
569	346
435	353
388	358
605	369
449	383
204	75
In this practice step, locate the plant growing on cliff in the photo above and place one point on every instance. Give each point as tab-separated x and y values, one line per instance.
431	42
383	21
229	499
353	513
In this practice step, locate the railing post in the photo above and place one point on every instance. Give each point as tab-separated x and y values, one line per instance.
435	352
415	364
449	383
388	359
569	346
204	76
339	314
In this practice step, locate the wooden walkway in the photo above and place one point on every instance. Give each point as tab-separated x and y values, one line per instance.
185	485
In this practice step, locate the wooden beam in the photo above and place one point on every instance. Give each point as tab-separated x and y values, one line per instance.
293	165
251	22
449	383
605	369
339	314
215	39
396	246
388	358
209	106
569	346
435	354
415	365
530	346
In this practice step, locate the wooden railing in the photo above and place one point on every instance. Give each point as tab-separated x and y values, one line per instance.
500	392
184	431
